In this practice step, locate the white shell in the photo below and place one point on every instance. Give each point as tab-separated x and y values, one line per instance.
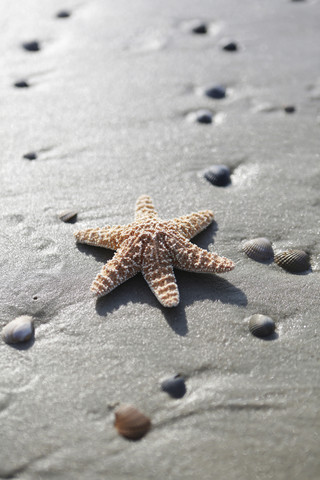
20	329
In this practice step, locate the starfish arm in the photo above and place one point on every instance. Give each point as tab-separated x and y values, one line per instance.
158	273
191	225
145	209
107	237
124	265
190	257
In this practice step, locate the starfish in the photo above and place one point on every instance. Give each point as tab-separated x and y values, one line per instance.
154	247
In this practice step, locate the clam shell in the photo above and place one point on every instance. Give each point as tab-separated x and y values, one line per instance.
20	329
294	261
261	325
68	216
174	386
259	249
131	423
218	175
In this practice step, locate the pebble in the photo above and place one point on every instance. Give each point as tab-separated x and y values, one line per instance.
216	92
19	330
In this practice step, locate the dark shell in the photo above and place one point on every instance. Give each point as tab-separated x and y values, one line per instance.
216	92
201	116
294	261
230	47
63	14
33	46
68	216
261	325
259	249
21	84
19	330
174	386
289	108
131	423
201	29
30	156
218	175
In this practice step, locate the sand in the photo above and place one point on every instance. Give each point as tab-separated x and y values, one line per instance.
106	112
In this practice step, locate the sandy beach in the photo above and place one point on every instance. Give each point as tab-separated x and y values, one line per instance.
100	103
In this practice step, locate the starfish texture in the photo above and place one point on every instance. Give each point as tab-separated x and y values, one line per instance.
154	247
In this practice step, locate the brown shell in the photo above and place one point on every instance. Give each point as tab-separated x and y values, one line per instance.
259	249
294	261
131	423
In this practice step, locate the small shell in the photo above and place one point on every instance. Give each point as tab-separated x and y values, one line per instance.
21	84
200	29
218	175
30	156
216	92
131	423
174	386
201	116
63	14
294	261
20	329
259	249
261	325
289	108
33	46
68	216
230	47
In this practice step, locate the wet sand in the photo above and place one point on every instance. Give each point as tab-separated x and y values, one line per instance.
105	112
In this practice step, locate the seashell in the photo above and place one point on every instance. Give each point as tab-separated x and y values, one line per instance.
68	216
218	175
131	423
174	386
259	249
289	108
30	156
216	92
201	29
261	325
230	47
201	116
294	261
21	84
33	46
63	14
20	329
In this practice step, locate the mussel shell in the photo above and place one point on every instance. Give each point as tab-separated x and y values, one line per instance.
68	216
218	175
259	249
200	28
261	325
21	329
33	46
174	386
131	423
230	47
294	261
